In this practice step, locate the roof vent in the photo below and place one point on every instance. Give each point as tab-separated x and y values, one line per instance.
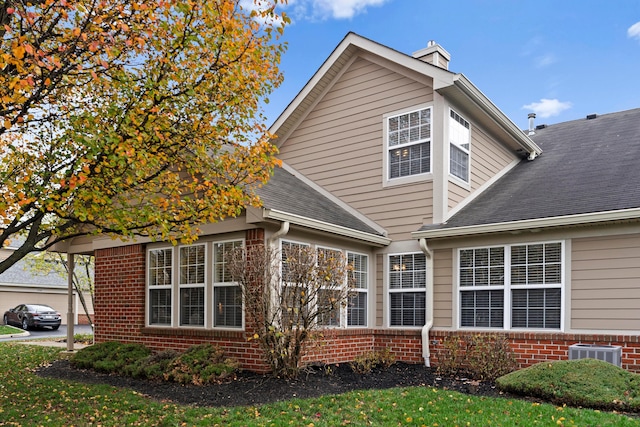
538	127
532	128
591	116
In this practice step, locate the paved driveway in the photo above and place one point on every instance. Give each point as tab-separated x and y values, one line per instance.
36	334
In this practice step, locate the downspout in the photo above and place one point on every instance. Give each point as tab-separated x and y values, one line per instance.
429	306
284	229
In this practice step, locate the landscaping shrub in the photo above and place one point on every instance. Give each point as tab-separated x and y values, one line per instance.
582	383
109	356
153	366
366	362
478	356
200	364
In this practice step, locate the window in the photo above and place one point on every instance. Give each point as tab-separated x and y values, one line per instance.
518	285
199	290
407	289
409	143
227	295
329	297
294	297
192	282
459	137
357	304
160	284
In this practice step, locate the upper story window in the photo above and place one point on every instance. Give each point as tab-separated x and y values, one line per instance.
459	146
409	143
511	287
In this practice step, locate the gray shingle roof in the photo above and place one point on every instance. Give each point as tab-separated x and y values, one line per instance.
21	274
587	166
286	193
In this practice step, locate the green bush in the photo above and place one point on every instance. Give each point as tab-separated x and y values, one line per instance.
478	356
153	366
109	356
367	362
582	383
200	364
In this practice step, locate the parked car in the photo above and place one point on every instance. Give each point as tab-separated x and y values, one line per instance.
33	316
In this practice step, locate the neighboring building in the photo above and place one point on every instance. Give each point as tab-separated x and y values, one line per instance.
458	221
21	285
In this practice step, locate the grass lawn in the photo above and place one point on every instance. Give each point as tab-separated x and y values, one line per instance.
28	400
9	330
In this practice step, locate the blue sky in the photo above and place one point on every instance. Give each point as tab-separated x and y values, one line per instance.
562	59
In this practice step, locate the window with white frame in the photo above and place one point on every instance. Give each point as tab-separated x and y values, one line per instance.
160	284
407	289
459	146
329	297
294	301
199	285
511	287
409	143
227	295
357	304
192	283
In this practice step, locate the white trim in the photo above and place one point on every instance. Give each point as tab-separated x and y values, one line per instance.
325	226
530	224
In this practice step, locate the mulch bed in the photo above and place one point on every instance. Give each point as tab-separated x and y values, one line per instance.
250	389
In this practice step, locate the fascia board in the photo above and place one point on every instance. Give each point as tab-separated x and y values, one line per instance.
530	224
327	227
485	104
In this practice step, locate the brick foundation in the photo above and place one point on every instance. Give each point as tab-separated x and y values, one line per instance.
531	348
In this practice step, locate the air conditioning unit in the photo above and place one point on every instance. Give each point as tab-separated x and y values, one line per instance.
607	353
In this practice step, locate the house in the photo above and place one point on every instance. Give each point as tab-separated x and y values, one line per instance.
20	284
457	221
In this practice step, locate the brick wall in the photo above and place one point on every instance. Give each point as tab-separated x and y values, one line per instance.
120	310
531	348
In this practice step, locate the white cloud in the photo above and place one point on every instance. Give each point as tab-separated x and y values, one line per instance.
329	9
545	60
634	31
547	107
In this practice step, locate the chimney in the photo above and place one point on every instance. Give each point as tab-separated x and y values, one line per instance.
434	54
532	128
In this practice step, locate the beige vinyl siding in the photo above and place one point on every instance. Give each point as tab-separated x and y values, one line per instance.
605	285
339	145
442	288
456	194
379	281
488	158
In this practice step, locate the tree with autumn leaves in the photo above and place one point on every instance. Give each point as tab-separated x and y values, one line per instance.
132	117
